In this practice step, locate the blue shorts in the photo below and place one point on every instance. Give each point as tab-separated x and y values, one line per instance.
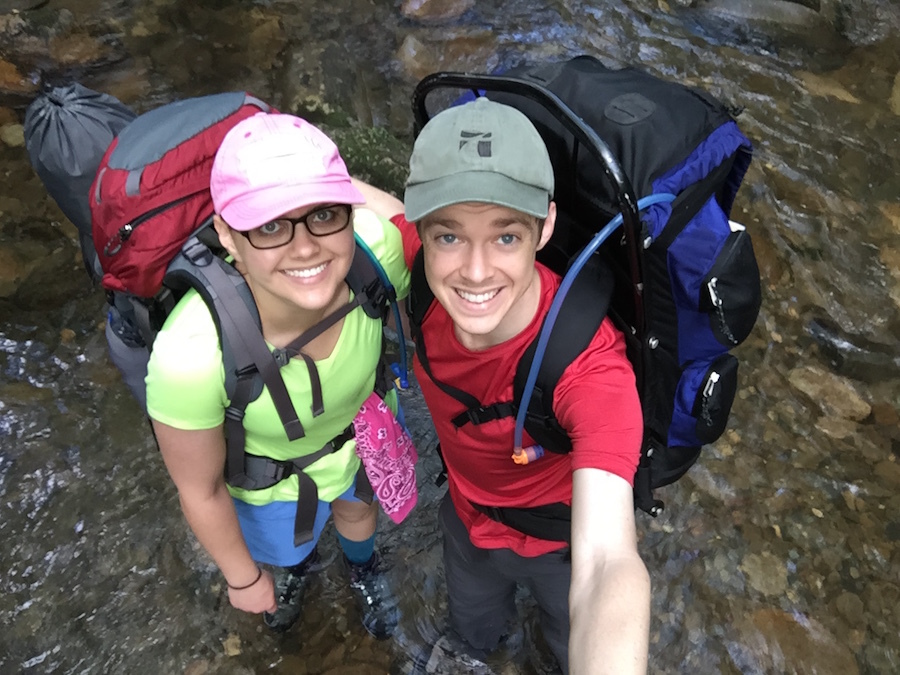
269	530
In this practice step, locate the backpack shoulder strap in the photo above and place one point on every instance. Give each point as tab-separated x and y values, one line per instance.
368	280
420	296
244	348
417	305
582	311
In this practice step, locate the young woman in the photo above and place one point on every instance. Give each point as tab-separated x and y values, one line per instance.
285	213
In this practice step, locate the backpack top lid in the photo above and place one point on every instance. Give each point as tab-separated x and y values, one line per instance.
650	126
151	191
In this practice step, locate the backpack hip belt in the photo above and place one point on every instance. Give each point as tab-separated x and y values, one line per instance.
263	472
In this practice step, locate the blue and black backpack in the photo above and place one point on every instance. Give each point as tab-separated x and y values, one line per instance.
646	173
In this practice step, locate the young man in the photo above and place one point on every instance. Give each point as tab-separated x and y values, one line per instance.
480	194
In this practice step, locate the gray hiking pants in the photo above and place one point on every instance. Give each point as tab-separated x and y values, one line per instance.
481	588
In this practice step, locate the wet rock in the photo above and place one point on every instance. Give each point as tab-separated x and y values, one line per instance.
826	87
231	645
894	101
889	471
435	11
776	21
837	428
797	644
198	667
11	6
850	606
854	355
891	210
765	573
833	394
13	271
8	116
885	414
82	49
882	600
415	58
890	258
774	270
12	80
357	669
13	135
473	51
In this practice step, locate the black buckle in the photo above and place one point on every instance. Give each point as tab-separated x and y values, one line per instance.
281	356
197	252
235	414
476	415
277	471
493	512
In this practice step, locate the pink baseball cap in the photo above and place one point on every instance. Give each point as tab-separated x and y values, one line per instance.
270	164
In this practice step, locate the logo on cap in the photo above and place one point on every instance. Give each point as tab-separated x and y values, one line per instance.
483	144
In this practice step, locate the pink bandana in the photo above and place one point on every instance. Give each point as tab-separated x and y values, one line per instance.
389	456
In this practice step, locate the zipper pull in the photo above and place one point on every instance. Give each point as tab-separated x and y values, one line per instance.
115	244
710	384
713	296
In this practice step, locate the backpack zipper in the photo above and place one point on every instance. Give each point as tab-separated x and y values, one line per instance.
117	241
720	311
708	390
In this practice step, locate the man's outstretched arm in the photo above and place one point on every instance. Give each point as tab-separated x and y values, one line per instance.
609	598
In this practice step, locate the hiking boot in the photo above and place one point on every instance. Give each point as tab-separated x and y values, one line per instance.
377	603
290	585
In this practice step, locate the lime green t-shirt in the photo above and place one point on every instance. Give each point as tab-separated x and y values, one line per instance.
186	380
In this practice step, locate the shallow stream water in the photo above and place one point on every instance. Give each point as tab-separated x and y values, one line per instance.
777	553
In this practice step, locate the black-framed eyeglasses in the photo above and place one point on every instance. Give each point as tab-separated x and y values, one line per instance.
321	222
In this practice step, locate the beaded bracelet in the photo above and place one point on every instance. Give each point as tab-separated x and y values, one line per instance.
244	588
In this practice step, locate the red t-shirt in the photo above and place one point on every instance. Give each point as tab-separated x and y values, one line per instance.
595	401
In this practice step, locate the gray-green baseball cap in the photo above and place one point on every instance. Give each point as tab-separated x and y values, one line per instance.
481	151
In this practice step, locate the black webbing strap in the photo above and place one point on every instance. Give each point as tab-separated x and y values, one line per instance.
298	343
282	356
315	385
551	522
141	314
463	397
483	414
263	472
417	304
235	436
237	322
364	490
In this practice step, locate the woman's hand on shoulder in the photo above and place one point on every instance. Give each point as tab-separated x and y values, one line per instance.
256	598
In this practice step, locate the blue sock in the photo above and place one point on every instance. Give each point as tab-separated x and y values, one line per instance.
357	552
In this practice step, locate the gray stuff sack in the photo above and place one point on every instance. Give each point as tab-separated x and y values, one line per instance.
67	131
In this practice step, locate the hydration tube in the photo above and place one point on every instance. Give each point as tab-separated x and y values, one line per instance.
402	374
524	455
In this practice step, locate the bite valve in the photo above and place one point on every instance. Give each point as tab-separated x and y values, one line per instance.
523	456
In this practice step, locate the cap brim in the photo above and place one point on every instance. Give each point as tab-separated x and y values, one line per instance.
265	204
475	186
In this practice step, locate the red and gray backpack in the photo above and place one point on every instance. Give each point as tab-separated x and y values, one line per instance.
658	164
151	236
